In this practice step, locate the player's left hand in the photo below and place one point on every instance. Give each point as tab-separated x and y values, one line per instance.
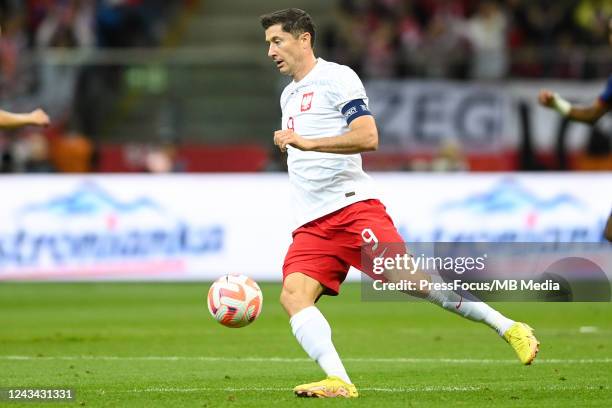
284	138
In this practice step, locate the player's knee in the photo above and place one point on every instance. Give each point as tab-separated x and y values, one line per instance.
294	298
299	291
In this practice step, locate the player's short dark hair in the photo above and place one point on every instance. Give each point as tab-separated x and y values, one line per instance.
292	20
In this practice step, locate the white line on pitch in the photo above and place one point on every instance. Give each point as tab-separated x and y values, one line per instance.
304	360
429	388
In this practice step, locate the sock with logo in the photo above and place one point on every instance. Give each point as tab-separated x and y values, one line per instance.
477	311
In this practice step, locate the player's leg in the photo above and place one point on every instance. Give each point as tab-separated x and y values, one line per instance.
469	308
519	335
319	274
313	332
373	219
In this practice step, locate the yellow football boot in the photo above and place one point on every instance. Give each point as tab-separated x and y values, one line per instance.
520	337
331	387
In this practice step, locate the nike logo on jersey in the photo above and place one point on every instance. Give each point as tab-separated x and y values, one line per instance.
381	255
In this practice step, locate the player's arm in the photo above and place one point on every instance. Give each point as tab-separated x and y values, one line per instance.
37	117
361	137
588	114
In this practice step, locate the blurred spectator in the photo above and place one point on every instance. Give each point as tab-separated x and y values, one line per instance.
486	31
543	23
13	43
72	152
444	48
39	160
380	57
67	24
32	154
592	16
130	23
410	36
347	38
545	19
450	157
528	38
455	39
158	161
154	158
163	159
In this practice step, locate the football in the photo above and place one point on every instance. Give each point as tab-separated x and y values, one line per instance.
235	300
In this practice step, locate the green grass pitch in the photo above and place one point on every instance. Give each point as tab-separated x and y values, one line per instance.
144	345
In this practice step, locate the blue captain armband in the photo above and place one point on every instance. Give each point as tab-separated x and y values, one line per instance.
354	109
606	95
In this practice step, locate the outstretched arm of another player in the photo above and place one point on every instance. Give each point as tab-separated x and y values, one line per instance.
37	117
589	114
362	137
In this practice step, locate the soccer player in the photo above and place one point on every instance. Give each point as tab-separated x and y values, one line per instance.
10	120
326	123
589	114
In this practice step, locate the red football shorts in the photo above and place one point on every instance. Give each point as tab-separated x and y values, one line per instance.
325	248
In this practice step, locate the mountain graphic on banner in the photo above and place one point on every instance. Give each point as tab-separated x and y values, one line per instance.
509	196
90	199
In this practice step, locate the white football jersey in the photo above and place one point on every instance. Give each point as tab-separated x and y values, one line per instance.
323	182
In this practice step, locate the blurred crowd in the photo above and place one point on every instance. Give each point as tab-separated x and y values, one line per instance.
73	94
456	39
483	39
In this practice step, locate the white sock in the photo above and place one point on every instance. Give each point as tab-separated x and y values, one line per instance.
477	311
312	331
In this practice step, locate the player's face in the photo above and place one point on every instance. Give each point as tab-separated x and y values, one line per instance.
285	50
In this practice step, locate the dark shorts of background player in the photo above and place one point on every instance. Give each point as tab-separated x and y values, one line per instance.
325	248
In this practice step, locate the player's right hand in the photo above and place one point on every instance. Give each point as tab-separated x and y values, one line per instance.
546	97
39	117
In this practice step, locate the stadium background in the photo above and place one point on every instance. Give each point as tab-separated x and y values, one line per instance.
159	165
184	89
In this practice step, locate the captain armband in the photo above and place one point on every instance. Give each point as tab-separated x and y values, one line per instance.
354	109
